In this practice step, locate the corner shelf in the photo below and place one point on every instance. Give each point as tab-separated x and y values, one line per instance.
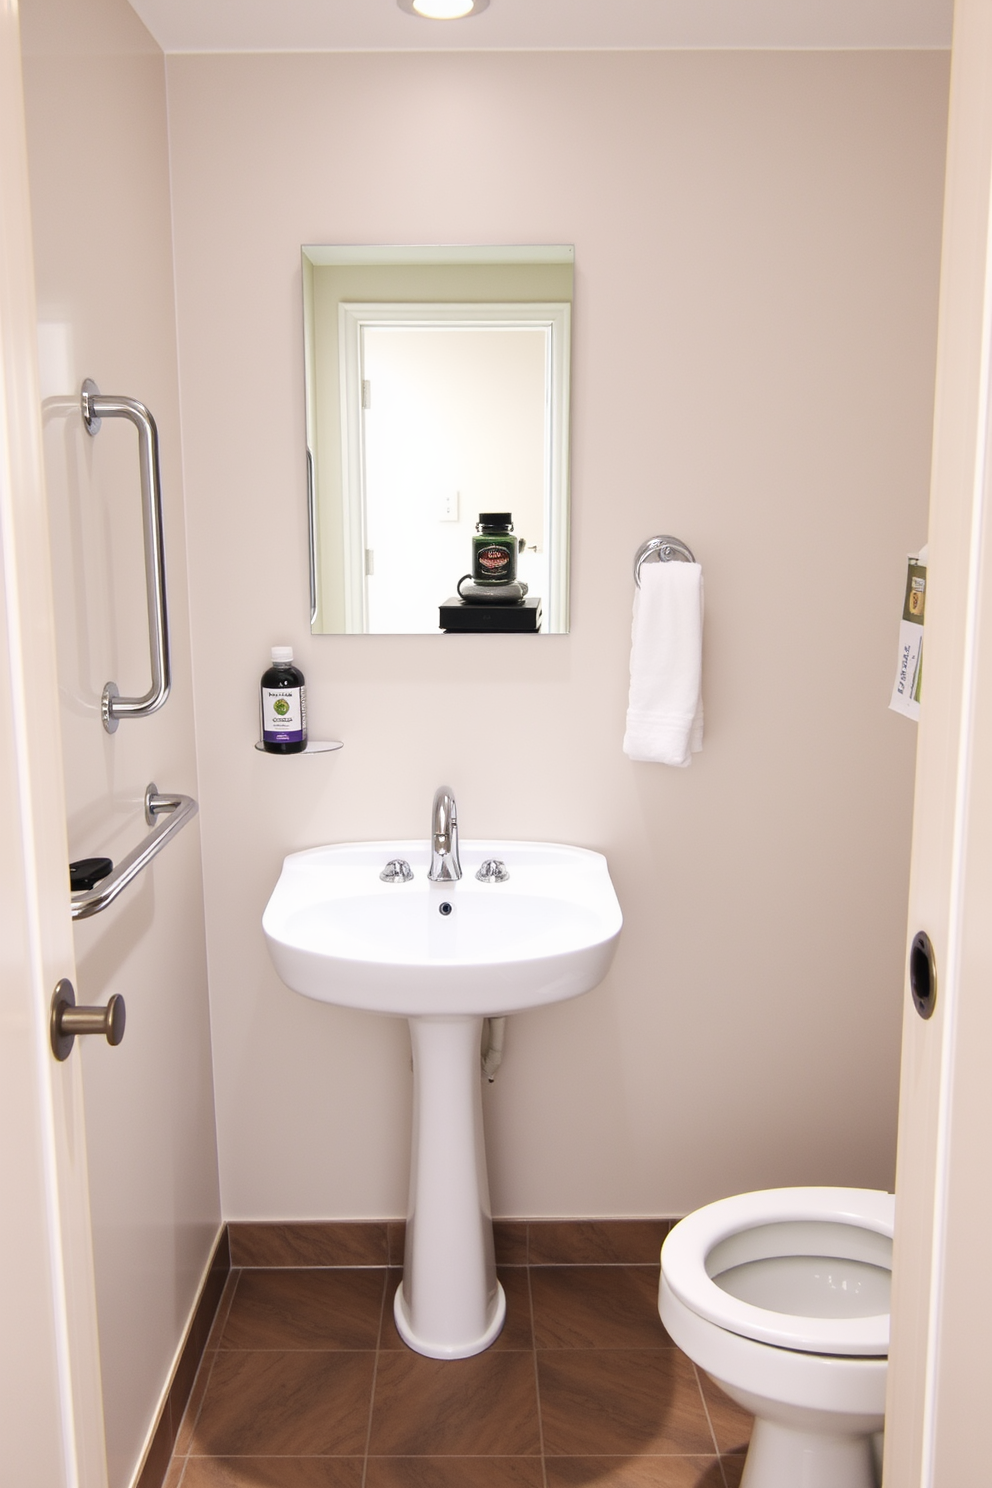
314	746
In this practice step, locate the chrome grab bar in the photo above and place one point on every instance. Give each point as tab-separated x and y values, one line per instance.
96	406
177	811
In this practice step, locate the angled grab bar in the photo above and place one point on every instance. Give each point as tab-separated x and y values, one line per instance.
96	406
177	811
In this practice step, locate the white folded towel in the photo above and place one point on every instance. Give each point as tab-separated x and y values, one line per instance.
665	713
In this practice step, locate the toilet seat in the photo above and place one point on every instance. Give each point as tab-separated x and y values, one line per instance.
850	1223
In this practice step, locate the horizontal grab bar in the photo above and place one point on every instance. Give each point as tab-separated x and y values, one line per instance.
96	407
176	812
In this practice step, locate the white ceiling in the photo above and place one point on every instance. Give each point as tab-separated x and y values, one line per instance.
380	25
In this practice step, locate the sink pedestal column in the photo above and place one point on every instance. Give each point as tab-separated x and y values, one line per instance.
450	1304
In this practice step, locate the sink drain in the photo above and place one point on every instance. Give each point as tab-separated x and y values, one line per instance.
445	908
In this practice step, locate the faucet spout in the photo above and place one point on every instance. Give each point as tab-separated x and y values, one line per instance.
445	864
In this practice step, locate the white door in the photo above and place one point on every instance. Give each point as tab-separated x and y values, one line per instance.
51	1419
940	1376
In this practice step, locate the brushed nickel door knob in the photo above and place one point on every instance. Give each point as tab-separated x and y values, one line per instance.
68	1020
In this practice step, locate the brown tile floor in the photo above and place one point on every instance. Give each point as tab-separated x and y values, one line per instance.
306	1384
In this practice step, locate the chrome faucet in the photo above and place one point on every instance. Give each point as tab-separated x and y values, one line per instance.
445	864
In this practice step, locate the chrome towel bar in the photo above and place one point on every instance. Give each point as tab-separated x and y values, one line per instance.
176	811
661	550
97	406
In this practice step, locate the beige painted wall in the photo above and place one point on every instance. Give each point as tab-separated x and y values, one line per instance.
98	156
757	241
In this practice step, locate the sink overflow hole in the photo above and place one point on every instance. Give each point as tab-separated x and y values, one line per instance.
445	908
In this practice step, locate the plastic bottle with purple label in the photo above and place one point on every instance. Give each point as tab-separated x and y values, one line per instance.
283	705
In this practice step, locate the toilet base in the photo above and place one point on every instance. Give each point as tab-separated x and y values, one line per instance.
781	1457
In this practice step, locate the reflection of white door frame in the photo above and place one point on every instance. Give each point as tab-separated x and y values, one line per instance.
555	318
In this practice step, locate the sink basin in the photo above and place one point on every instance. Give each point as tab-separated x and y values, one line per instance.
444	955
337	933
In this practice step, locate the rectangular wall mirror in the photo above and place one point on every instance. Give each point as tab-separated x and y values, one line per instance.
437	391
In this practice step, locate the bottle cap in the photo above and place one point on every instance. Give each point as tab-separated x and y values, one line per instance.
281	655
495	519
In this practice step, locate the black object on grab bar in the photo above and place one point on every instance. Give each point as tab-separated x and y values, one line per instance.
86	873
166	815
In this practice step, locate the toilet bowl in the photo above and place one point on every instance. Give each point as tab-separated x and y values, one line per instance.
782	1298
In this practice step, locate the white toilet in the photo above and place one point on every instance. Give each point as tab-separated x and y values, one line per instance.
782	1298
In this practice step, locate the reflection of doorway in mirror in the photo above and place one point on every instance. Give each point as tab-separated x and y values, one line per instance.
455	420
447	410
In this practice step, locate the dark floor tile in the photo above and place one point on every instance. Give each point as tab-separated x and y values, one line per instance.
454	1472
516	1332
184	1434
201	1327
733	1470
511	1241
308	1243
214	1296
308	1309
223	1308
597	1307
395	1241
634	1472
285	1403
174	1474
484	1406
222	1252
273	1472
623	1402
732	1424
596	1242
156	1464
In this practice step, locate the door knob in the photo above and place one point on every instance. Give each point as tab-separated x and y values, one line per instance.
68	1020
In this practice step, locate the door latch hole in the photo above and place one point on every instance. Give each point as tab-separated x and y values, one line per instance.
923	974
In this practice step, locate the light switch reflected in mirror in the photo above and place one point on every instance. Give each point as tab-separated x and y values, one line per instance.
437	389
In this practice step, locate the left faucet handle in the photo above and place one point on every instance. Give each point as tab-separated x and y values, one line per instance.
397	870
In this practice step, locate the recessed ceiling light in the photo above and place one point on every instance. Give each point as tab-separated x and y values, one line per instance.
443	10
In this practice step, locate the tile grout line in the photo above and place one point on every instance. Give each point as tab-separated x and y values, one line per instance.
537	1377
220	1318
375	1371
709	1421
555	1348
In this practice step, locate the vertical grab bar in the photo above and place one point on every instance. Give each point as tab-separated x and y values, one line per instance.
97	406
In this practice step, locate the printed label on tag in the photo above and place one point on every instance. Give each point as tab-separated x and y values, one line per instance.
909	669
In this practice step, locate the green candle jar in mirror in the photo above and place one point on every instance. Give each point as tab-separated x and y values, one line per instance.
494	549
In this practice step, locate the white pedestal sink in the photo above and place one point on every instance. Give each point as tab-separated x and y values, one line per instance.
445	956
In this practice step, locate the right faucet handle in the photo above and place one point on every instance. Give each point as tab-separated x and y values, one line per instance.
493	870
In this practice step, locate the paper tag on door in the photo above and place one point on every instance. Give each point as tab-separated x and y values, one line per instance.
909	669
